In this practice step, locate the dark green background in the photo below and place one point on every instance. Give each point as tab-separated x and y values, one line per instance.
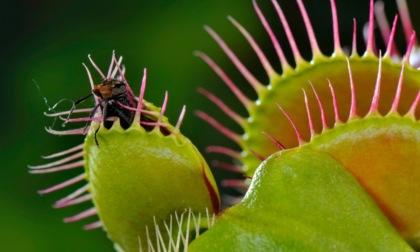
46	42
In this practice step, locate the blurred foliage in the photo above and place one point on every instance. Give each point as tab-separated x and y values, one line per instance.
44	44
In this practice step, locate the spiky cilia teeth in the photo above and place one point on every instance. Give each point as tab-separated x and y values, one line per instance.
373	111
285	89
388	34
179	236
81	195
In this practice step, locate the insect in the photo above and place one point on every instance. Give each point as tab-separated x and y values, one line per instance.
117	101
112	93
113	97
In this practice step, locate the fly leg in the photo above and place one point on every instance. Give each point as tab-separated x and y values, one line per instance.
91	115
104	113
74	107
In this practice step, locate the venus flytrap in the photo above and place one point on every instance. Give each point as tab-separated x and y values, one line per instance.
392	90
131	171
304	198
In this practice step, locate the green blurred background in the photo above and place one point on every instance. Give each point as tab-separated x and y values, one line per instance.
46	42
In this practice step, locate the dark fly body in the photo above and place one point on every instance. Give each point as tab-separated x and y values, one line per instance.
111	92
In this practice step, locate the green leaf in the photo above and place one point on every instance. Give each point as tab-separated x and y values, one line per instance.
303	200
